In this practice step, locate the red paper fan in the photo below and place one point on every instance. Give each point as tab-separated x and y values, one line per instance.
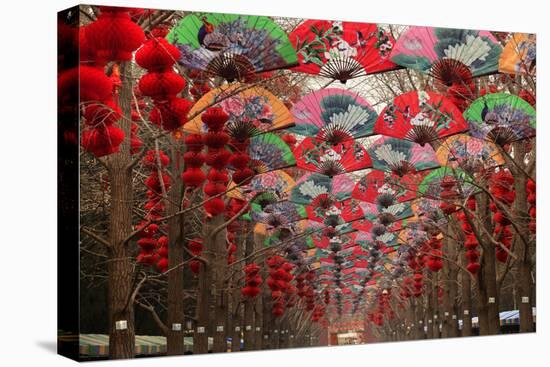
317	155
341	50
400	189
420	117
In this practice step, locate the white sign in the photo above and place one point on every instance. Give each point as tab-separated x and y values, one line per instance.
266	336
524	299
219	328
275	331
292	336
121	325
237	328
466	312
200	329
435	317
430	321
446	314
176	327
258	328
454	317
248	327
492	300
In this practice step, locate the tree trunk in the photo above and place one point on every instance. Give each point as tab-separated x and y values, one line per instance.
266	321
176	235
249	330
258	330
120	268
524	286
466	295
487	277
428	320
220	272
206	291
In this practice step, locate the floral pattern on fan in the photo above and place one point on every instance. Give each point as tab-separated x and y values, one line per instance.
249	109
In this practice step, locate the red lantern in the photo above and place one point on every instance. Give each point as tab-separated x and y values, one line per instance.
157	54
114	36
194	142
214	206
215	118
103	140
193	177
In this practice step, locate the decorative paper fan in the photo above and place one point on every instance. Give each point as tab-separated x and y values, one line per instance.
468	153
232	46
331	159
371	186
326	209
341	50
449	55
309	186
519	56
323	242
501	118
269	152
420	117
251	110
401	157
277	182
278	213
334	115
387	215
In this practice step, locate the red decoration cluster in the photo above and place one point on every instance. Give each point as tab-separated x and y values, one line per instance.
406	287
382	307
448	195
318	313
418	283
114	36
152	248
253	281
99	110
193	176
435	262
278	281
162	83
195	247
471	244
417	261
532	201
217	158
231	247
501	186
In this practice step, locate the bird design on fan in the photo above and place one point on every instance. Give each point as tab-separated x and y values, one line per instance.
234	47
501	118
